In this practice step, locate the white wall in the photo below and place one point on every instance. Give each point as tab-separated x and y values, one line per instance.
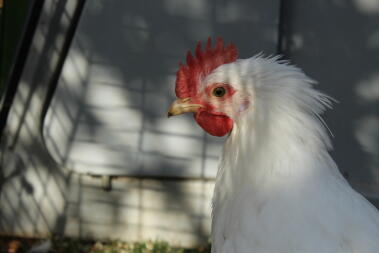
337	44
108	112
108	116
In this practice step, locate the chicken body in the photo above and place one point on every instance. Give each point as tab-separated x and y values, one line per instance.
277	188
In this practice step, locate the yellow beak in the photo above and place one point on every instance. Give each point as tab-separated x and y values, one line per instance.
182	105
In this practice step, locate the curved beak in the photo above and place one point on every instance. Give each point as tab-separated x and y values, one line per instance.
182	105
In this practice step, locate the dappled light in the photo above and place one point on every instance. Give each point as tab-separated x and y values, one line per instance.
115	97
107	116
103	161
345	65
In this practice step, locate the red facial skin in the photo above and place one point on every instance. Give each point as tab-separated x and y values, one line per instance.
188	79
211	120
216	125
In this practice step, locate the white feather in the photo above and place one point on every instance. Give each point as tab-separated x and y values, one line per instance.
277	189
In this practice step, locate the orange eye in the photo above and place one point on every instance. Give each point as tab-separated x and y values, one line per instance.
219	92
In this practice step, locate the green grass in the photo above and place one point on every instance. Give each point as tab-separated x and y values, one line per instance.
69	245
65	246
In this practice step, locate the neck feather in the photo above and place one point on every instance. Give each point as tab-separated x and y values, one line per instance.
282	136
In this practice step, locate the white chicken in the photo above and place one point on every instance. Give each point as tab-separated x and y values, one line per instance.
277	188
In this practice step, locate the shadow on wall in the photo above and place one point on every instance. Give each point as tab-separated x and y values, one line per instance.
109	108
337	43
119	80
32	197
112	101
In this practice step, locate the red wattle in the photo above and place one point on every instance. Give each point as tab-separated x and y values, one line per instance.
217	125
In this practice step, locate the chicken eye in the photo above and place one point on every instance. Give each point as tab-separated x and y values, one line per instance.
219	92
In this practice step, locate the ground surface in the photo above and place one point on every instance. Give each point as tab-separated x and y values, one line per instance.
66	245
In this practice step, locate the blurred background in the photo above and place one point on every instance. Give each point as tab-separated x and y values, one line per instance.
86	148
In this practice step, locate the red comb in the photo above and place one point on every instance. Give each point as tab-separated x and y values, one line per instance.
189	76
